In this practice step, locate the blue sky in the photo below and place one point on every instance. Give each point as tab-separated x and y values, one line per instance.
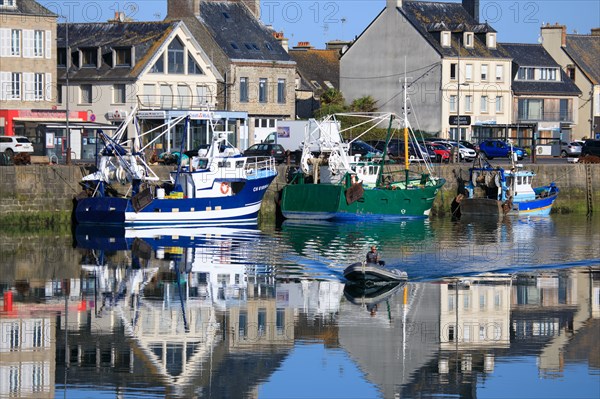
319	21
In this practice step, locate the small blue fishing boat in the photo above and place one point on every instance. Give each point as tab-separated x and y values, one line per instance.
219	187
495	192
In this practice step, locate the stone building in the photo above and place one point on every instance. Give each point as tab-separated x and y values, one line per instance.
27	65
317	70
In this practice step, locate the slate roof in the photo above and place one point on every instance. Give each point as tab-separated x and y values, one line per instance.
430	18
534	55
241	35
28	7
147	37
317	65
584	50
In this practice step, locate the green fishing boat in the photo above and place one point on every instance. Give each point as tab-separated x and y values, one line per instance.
335	185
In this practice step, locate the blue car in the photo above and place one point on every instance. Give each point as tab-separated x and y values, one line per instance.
499	149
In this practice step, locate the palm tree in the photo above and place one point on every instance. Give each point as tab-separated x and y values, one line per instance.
364	104
332	97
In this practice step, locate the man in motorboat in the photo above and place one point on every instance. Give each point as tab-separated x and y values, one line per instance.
373	256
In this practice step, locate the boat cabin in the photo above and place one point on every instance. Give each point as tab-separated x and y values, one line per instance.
519	185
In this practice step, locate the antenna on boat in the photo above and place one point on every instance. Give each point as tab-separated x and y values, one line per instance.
406	156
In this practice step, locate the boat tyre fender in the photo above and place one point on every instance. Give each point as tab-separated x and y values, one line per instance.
224	188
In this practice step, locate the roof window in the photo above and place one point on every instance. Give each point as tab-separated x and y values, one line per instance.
234	46
490	39
445	38
468	39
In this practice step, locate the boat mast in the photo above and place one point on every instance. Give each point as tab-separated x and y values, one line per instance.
406	159
388	137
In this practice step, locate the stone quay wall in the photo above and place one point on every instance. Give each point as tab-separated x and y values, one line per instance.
47	191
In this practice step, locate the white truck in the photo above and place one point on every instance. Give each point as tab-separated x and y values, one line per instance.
292	134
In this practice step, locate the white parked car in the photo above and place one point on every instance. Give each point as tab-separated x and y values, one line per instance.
15	144
465	154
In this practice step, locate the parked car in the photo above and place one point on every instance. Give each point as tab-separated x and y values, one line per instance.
464	153
572	149
266	150
15	144
591	147
499	149
396	149
470	145
362	148
442	154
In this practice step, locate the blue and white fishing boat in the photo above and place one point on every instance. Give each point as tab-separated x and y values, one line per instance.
496	191
218	187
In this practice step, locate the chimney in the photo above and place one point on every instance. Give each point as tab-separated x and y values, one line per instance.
303	46
283	41
177	9
595	31
472	7
393	4
555	33
253	6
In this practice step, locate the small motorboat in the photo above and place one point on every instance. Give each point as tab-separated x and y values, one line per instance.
373	273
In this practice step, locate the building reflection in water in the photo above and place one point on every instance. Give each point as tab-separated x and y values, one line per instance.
189	315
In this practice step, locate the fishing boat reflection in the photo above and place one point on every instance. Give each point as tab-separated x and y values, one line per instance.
189	297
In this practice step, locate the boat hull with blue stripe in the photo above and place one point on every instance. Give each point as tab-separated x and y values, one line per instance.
505	192
219	187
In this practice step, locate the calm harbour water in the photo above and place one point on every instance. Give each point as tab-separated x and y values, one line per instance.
492	309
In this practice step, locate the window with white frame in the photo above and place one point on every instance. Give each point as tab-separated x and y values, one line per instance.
281	91
38	87
159	65
175	57
15	86
499	73
15	42
243	89
453	70
499	105
468	103
453	103
263	90
469	72
445	39
193	67
38	43
484	104
85	96
526	73
468	39
484	72
8	3
119	94
491	40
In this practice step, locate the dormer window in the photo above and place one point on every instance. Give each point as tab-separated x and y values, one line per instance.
445	39
123	57
490	40
468	39
61	57
89	58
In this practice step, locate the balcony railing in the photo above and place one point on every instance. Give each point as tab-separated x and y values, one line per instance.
167	102
544	116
